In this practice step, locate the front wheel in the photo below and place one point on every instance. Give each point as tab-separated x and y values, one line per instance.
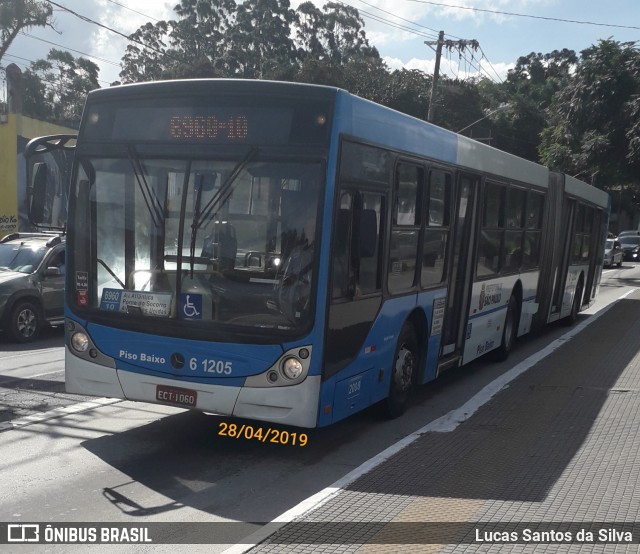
403	372
24	322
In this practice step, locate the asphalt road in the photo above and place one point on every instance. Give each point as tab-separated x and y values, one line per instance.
133	462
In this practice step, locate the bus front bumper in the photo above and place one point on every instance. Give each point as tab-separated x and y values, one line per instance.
295	405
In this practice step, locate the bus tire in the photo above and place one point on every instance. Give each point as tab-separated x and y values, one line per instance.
575	307
24	321
509	331
403	372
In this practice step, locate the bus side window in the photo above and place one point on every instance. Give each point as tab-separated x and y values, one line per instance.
341	248
405	230
491	233
437	228
357	240
368	274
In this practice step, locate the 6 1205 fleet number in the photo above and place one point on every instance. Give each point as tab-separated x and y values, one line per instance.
211	366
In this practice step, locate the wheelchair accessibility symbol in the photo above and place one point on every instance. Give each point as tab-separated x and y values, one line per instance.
190	306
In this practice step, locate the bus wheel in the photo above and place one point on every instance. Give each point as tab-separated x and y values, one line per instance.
509	331
403	372
575	307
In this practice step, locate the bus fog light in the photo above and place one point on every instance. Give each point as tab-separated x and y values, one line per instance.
292	368
80	342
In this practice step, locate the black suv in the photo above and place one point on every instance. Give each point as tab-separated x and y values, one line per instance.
32	267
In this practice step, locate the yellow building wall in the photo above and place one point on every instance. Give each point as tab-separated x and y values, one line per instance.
12	163
8	176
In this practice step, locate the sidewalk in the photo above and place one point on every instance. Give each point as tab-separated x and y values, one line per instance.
557	452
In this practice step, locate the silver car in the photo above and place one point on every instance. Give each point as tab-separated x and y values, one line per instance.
32	267
613	253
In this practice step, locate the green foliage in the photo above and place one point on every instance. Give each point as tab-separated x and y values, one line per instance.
592	125
56	88
576	114
18	15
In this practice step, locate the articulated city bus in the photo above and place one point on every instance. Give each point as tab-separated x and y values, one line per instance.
293	253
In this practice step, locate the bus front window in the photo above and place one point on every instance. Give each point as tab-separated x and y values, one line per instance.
218	242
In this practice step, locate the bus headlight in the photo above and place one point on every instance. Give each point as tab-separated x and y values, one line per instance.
292	368
80	342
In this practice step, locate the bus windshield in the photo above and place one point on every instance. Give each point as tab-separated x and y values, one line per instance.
225	243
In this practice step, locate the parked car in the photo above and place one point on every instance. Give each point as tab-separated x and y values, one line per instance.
32	267
631	247
613	253
629	233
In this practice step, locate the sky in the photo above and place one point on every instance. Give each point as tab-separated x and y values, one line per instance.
504	29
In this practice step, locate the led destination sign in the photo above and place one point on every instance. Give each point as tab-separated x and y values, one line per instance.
202	124
176	121
199	127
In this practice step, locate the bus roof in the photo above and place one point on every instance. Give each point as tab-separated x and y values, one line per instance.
364	119
385	126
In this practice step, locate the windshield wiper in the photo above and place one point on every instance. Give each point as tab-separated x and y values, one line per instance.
199	184
150	198
223	194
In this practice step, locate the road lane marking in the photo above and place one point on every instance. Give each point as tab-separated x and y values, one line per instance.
57	412
32	352
444	424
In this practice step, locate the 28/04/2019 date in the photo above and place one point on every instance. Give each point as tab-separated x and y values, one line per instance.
249	432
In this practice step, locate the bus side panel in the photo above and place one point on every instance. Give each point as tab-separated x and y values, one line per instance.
488	311
570	287
433	304
367	378
375	355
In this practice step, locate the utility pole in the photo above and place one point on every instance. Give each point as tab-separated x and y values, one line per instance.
459	45
436	72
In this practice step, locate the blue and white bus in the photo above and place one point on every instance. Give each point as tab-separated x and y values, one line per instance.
293	253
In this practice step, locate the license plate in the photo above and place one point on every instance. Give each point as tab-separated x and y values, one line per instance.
176	395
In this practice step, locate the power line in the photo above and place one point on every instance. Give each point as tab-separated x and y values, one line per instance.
132	10
379	19
419	33
103	26
71	49
513	14
434	31
27	68
484	56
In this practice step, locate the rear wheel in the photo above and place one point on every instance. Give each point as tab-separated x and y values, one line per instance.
403	372
575	307
24	322
509	331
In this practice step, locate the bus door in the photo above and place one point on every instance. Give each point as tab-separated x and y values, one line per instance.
460	276
595	240
568	214
356	282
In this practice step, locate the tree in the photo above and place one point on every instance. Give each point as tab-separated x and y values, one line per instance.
408	91
591	131
145	58
530	88
199	37
260	43
458	104
56	88
334	50
16	15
